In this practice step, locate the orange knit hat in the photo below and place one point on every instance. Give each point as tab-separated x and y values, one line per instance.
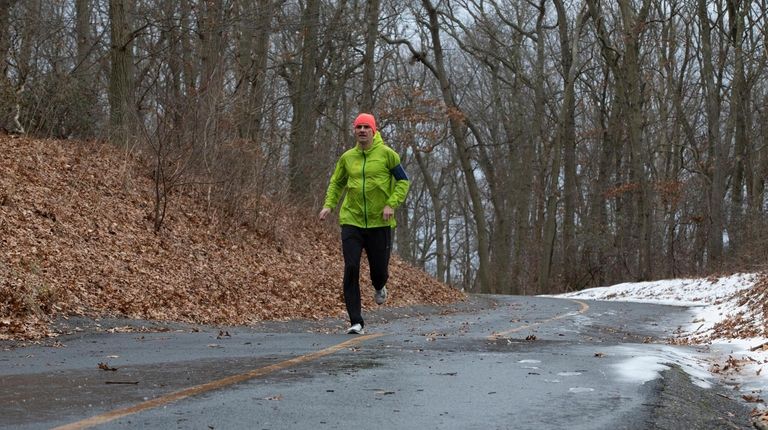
366	119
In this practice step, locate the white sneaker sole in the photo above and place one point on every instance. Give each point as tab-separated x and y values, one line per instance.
355	330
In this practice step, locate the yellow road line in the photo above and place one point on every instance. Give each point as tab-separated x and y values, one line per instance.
213	385
583	307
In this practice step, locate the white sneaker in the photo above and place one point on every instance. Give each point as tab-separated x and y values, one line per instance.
380	295
356	329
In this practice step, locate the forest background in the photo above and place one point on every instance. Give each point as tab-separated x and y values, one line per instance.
553	145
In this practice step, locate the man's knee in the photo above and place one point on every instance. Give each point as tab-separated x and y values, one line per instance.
352	267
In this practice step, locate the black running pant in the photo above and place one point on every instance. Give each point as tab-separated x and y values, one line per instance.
377	243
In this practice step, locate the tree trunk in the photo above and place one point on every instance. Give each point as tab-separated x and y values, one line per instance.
25	63
83	32
211	92
246	27
304	104
6	88
174	86
716	153
497	166
523	242
255	34
369	67
634	104
740	117
628	79
5	36
438	210
191	71
565	141
265	11
121	81
212	46
760	174
672	119
550	222
567	135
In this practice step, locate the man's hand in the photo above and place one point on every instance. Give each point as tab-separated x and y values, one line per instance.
324	213
388	213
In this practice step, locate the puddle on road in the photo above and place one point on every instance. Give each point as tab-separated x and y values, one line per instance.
333	367
506	345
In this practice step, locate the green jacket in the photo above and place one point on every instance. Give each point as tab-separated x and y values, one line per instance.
372	179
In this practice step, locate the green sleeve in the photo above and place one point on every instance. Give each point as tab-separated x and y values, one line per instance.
398	196
336	185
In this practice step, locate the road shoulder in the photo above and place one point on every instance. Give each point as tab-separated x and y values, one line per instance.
681	404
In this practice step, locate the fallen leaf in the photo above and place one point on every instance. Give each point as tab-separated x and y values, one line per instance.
752	398
105	366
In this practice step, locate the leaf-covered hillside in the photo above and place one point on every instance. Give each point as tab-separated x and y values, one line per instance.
77	238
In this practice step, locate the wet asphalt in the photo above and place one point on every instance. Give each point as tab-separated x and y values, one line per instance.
493	362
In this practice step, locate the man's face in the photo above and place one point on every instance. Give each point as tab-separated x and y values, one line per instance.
363	134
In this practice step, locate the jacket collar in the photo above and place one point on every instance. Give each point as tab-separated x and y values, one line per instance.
375	143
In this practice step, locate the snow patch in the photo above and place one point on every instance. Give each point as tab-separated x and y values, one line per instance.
579	390
646	363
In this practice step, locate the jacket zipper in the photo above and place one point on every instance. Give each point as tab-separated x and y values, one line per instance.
365	202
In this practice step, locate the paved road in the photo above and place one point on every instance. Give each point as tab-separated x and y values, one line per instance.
498	362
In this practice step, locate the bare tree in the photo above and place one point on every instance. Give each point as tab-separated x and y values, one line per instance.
459	129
